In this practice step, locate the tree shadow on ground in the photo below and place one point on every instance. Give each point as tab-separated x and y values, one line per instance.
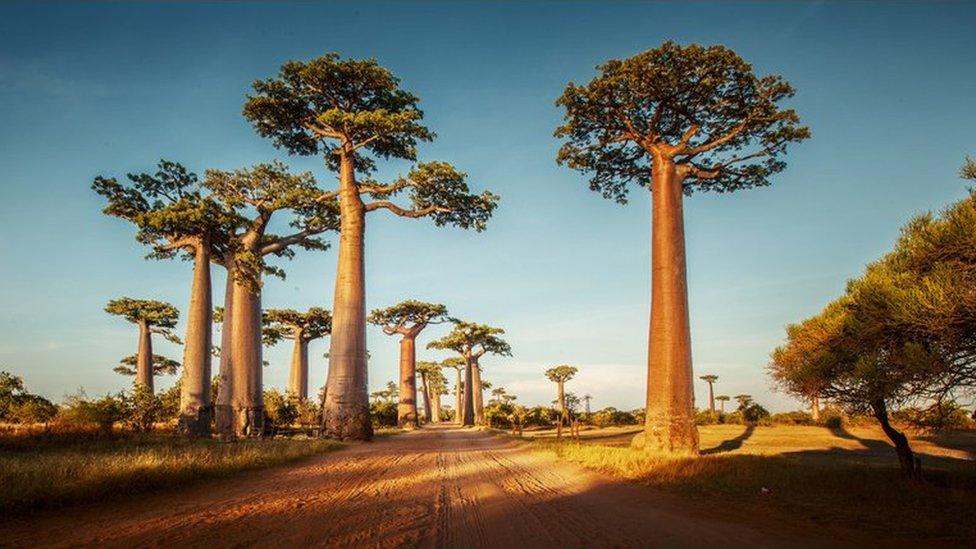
870	444
732	443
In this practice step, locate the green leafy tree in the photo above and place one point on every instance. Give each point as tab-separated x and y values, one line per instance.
17	405
675	119
472	341
301	328
176	217
160	365
433	385
458	364
256	195
354	113
407	319
152	317
560	375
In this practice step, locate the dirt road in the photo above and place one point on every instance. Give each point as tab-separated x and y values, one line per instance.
438	487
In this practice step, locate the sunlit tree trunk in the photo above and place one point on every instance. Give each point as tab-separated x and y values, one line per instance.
225	386
425	389
467	416
195	405
562	402
298	378
711	398
459	398
670	394
815	408
435	407
478	391
247	401
144	356
407	405
345	413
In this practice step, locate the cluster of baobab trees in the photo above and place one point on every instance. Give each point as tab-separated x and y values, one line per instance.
674	120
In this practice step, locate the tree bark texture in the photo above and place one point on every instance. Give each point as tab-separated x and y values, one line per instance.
298	377
562	402
247	400
478	392
224	420
467	416
144	357
459	398
407	405
195	406
425	389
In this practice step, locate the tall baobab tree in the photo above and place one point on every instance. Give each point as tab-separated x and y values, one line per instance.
354	113
175	216
152	317
675	119
433	384
256	194
560	375
408	319
586	400
472	341
457	364
710	380
722	399
302	328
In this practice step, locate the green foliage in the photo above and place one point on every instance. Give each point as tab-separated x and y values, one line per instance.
938	417
104	412
160	365
540	416
383	413
281	409
17	405
468	338
160	316
169	402
701	107
408	316
388	394
288	323
561	374
708	417
798	417
612	417
142	409
754	414
499	414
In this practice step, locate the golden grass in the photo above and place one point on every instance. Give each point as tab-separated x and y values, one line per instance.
53	476
796	472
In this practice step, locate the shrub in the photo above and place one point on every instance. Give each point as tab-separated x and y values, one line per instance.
611	416
383	413
707	417
754	414
540	416
944	417
798	417
169	402
103	413
280	410
31	409
499	414
309	413
143	409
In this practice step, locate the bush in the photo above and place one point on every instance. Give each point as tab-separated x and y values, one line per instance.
498	414
707	417
754	414
280	410
103	413
611	416
798	417
31	409
935	418
309	413
169	402
383	413
540	416
143	409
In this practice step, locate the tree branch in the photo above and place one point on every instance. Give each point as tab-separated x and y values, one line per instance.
402	212
286	241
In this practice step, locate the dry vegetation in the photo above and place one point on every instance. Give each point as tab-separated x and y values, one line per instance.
44	469
839	476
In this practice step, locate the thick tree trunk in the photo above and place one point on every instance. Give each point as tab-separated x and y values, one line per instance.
435	407
407	405
467	416
711	398
670	425
345	413
478	391
195	405
144	357
815	408
562	402
906	458
298	378
425	389
224	418
459	397
247	401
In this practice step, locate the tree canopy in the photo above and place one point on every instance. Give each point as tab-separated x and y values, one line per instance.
700	107
472	340
288	324
160	365
160	316
561	374
408	317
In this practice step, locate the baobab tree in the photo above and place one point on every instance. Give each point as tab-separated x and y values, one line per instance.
302	328
675	119
408	319
722	399
472	341
710	380
256	194
160	366
152	317
433	385
175	216
560	375
744	401
354	112
457	364
586	400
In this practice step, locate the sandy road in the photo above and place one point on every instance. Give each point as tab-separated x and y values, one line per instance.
438	487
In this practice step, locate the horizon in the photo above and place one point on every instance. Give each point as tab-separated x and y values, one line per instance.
562	270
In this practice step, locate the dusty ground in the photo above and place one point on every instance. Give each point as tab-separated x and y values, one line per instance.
439	487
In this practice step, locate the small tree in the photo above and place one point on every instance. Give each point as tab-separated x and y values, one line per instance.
472	341
160	365
301	328
710	380
408	319
722	399
152	317
675	120
560	375
744	401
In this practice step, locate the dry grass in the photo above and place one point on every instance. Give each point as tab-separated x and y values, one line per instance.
848	478
49	475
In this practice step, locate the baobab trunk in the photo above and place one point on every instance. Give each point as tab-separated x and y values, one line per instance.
407	405
477	390
195	405
711	398
459	406
247	400
298	378
435	407
815	408
224	420
467	416
345	412
562	402
670	423
144	357
426	391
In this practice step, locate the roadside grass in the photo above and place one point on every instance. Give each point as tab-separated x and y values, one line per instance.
92	467
820	482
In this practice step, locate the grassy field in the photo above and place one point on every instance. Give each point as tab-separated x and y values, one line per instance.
845	477
47	472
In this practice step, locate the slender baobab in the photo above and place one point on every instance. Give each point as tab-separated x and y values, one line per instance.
256	194
160	365
586	399
472	341
152	317
175	216
675	119
560	375
354	112
722	399
301	328
434	384
710	380
457	364
408	319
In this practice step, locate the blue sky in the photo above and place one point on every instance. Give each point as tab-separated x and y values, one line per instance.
88	89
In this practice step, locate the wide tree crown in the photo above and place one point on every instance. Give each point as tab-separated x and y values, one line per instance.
408	316
561	374
454	362
709	378
155	313
288	323
699	107
160	365
473	340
